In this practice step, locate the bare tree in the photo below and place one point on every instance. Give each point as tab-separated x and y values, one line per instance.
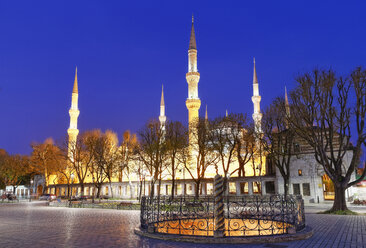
323	110
176	139
44	159
14	170
111	156
201	152
152	151
278	139
245	149
127	151
95	144
225	137
80	157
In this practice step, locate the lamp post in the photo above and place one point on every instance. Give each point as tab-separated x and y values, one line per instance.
30	190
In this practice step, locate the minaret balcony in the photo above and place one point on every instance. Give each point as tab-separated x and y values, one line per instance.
192	74
256	98
193	103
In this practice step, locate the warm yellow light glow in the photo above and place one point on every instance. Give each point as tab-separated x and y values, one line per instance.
233	227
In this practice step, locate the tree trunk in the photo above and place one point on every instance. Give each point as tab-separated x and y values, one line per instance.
68	190
98	191
339	203
82	189
159	188
285	186
197	189
93	195
225	186
140	194
152	190
173	187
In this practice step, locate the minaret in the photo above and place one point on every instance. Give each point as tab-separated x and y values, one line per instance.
74	112
287	106
162	117
206	114
193	102
256	99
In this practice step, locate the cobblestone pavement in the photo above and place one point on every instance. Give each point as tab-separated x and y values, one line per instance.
35	225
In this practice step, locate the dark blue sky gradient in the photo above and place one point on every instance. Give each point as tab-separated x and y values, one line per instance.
125	50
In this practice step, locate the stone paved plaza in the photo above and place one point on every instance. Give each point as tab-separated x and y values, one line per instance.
35	225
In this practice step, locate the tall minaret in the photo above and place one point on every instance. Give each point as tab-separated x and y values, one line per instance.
74	112
162	117
256	99
287	106
193	102
206	114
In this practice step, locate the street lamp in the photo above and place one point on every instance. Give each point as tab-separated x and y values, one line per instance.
30	190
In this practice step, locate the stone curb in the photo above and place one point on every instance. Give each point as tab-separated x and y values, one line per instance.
306	233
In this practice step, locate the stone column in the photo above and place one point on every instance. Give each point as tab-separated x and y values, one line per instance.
132	189
263	188
193	188
204	189
163	189
237	187
250	188
156	188
183	188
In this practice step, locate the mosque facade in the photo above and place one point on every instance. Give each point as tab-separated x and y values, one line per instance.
307	177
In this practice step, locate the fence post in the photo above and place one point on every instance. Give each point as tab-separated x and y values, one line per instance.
142	213
219	223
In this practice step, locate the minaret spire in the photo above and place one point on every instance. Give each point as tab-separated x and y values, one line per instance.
192	40
287	106
162	117
255	78
193	102
206	115
74	112
75	89
162	96
226	114
256	99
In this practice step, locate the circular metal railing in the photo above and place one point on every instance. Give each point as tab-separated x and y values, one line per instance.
249	215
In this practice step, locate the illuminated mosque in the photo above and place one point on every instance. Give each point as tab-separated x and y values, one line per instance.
306	177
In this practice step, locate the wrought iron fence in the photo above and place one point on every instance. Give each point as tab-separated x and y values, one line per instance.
180	215
251	215
101	205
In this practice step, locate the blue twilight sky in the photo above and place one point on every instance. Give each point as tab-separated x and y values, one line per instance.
125	50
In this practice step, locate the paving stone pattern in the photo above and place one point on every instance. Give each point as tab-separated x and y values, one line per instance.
35	225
